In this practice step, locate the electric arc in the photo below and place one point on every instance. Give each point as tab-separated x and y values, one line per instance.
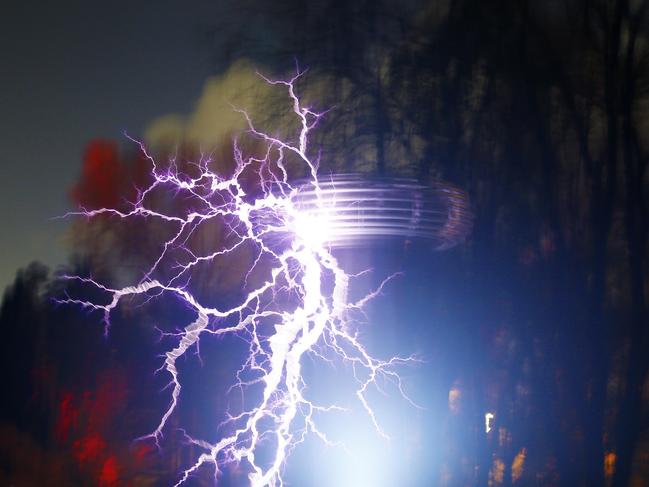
301	307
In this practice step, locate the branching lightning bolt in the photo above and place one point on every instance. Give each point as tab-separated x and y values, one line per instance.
318	322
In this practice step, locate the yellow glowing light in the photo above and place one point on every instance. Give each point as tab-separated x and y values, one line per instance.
497	473
609	464
517	465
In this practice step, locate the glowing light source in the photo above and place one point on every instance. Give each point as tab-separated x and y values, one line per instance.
488	422
356	210
313	228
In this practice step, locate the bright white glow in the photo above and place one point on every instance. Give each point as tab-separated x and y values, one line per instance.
356	210
488	422
314	229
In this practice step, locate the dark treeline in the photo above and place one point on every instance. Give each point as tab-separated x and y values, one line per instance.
538	110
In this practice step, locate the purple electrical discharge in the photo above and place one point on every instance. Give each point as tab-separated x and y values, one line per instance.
293	229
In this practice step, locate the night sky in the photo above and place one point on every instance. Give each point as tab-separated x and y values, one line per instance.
73	71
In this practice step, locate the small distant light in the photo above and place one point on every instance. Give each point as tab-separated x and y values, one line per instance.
454	396
488	420
609	464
